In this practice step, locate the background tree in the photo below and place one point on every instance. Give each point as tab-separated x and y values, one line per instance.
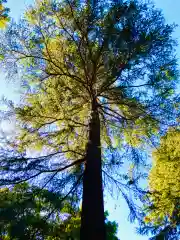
163	212
25	211
97	76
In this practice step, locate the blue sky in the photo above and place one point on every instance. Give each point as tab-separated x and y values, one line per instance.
117	208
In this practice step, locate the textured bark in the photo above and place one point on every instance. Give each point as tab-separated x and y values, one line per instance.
92	218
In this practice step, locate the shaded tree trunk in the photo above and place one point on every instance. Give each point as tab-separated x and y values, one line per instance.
92	218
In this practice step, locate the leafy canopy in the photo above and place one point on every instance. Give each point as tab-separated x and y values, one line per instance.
163	212
25	212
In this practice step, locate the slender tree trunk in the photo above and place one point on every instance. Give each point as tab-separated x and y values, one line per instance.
92	218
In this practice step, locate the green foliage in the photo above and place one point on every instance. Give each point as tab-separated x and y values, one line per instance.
4	19
164	179
111	228
39	214
24	212
164	184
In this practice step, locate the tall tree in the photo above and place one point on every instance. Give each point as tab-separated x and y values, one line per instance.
97	76
163	212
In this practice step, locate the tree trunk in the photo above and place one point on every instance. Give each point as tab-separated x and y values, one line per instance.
92	217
